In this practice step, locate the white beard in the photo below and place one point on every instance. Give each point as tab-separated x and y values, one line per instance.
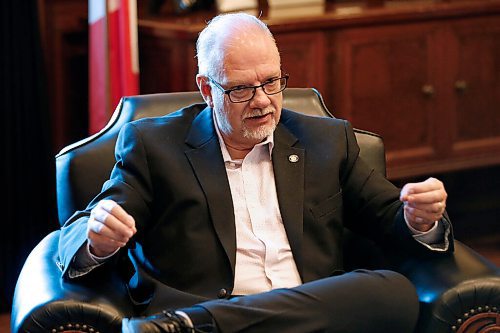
261	132
258	134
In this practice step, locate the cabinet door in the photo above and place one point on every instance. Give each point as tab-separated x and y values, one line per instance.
476	90
302	56
384	80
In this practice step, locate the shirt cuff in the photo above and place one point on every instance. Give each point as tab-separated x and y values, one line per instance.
414	231
100	260
435	239
84	261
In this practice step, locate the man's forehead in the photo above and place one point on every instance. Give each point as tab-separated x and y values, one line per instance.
244	69
243	38
248	44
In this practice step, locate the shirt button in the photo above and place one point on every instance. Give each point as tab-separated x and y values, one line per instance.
222	293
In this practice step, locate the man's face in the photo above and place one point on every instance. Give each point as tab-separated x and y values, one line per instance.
250	60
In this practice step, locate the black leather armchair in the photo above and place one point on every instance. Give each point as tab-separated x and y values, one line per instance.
459	292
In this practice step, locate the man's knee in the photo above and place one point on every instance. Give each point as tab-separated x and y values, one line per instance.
396	286
393	300
369	301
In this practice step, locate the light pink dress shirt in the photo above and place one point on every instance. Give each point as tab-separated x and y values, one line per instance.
264	259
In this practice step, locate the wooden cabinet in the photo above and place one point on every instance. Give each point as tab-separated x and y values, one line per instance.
384	81
303	56
423	74
474	83
431	89
166	63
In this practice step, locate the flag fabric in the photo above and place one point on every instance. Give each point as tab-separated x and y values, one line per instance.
113	57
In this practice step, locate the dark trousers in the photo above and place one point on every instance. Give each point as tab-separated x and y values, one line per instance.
361	301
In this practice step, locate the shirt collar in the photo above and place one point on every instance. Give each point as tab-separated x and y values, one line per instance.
269	142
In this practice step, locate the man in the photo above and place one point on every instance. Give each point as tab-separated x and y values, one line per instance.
233	213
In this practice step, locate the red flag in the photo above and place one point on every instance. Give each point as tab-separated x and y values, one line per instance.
113	57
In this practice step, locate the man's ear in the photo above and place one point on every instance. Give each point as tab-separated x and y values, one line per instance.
205	89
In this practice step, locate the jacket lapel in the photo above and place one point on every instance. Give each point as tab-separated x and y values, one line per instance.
207	163
288	164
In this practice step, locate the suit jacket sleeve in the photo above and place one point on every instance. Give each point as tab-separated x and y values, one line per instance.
370	197
129	186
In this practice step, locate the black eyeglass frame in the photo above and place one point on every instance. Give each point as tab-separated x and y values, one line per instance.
263	85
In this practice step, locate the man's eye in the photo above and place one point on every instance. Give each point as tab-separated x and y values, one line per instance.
239	88
241	91
274	79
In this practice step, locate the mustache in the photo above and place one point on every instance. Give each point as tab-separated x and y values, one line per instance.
258	112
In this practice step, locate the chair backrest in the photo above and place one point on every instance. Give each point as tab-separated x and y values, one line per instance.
82	167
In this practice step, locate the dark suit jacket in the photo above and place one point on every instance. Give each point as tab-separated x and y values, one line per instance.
171	178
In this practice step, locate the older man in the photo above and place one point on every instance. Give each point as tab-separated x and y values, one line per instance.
232	212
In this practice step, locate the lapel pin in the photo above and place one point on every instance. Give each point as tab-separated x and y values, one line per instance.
293	158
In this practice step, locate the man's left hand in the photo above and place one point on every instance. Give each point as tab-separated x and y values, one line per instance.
424	203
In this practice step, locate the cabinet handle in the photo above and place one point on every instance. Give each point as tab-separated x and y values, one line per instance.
428	90
460	85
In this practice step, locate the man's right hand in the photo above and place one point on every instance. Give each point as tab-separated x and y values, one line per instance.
109	228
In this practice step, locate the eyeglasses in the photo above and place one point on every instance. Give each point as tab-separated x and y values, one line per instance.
241	94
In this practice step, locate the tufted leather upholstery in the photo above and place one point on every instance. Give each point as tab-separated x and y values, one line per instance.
459	291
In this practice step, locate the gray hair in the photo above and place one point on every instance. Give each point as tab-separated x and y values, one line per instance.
208	48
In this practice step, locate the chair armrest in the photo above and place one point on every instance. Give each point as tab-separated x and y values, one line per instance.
459	292
43	302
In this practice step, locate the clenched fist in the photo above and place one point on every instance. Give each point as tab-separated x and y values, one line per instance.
109	228
424	203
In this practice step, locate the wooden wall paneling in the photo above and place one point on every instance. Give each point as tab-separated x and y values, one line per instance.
163	65
65	44
167	60
155	57
303	57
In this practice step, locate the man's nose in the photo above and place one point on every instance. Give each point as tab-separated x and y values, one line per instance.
261	99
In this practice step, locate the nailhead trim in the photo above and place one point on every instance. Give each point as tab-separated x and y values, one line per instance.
74	327
471	313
